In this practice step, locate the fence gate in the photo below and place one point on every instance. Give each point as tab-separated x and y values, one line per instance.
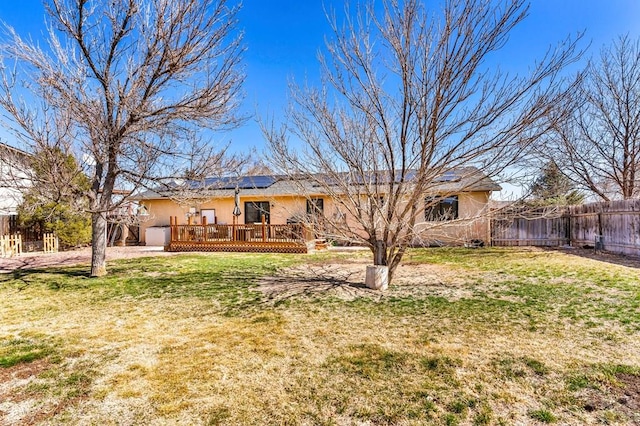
10	245
50	243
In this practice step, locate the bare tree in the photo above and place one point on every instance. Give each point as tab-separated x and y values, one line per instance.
407	99
598	144
125	85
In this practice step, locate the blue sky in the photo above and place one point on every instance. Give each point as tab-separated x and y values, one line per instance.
283	38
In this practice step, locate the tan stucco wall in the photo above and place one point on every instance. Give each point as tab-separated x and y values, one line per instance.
472	224
471	206
282	208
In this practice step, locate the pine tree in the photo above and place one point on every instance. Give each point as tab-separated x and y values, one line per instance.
51	200
553	187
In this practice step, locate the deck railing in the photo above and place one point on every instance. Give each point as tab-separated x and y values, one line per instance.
241	233
251	236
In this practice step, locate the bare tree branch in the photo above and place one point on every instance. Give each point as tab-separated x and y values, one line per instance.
598	143
408	96
125	85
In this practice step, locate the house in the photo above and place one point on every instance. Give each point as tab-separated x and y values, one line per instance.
454	211
13	182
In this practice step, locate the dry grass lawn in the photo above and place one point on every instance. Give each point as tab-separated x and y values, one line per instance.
462	337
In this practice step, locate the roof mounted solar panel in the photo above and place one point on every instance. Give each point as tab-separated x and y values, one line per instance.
244	182
258	182
448	176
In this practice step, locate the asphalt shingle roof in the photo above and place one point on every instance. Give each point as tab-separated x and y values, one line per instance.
460	180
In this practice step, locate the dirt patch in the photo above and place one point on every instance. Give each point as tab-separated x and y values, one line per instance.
624	397
345	280
18	406
22	372
29	396
342	280
75	257
628	395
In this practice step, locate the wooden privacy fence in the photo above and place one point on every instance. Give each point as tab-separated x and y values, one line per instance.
612	226
10	245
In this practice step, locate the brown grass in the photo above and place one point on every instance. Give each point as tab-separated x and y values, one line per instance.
321	349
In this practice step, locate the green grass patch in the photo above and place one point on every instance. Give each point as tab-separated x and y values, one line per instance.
25	349
544	416
226	279
370	361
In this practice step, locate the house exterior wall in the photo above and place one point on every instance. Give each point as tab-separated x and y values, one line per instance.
470	225
473	223
281	209
10	194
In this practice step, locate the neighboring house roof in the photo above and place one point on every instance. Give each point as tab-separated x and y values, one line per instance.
12	178
465	179
8	149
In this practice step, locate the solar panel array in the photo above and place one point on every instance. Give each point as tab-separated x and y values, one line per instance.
244	182
265	181
383	177
448	176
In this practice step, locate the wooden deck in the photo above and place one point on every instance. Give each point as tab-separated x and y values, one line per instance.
264	238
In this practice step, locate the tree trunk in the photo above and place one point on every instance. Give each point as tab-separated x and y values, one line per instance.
380	253
98	244
377	276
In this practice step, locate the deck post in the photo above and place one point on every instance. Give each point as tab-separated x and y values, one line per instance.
233	229
171	227
204	228
264	230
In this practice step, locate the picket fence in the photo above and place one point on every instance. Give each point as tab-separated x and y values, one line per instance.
12	245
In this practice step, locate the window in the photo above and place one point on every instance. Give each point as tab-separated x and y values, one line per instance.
441	208
315	206
253	211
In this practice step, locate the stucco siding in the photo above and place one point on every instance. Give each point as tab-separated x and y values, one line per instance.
471	224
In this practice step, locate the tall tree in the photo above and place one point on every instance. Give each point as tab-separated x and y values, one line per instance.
408	98
598	143
125	85
553	187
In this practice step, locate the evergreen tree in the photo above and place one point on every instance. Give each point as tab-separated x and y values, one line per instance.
553	187
51	203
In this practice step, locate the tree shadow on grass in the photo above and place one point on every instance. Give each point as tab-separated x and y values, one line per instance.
616	259
27	275
313	281
40	263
